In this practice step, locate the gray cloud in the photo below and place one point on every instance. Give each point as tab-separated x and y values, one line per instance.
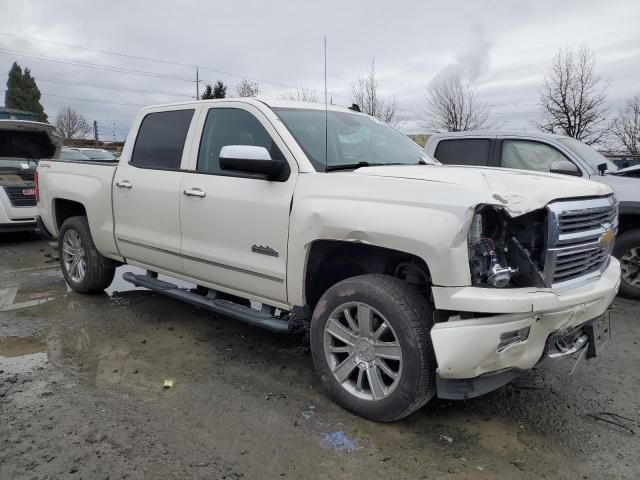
504	47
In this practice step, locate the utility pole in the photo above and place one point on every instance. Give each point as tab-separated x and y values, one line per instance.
197	82
95	133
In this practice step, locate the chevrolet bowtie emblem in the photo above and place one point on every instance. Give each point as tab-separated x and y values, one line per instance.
607	237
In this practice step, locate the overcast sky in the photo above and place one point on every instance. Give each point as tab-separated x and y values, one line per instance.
503	47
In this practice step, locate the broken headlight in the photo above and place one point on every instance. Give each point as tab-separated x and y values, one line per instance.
506	252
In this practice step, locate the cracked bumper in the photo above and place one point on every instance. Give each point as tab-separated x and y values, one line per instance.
469	348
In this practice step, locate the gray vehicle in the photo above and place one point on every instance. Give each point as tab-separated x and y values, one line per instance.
543	152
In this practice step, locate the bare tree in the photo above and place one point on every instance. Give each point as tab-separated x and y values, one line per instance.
72	124
248	88
452	106
573	97
626	126
364	92
301	94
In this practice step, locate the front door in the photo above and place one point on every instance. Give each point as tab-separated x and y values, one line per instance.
146	192
235	227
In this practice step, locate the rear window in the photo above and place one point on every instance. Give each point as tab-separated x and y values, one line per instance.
161	140
467	151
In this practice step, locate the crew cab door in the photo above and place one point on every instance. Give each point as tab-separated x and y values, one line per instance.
235	226
146	191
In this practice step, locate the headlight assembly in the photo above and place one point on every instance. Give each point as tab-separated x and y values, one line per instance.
506	252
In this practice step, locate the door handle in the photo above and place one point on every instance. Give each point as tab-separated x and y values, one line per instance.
123	184
194	192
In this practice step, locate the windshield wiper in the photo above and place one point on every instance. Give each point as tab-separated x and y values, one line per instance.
349	166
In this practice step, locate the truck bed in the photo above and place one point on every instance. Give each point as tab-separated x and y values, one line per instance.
87	183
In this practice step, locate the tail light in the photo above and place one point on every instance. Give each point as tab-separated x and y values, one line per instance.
37	187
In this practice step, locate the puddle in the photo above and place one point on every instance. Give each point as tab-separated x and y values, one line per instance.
22	355
14	298
120	285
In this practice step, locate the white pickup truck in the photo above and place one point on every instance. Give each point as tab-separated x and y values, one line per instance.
413	279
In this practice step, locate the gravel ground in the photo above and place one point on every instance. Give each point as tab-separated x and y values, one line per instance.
82	396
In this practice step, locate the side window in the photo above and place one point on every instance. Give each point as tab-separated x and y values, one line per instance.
161	139
467	151
528	155
231	126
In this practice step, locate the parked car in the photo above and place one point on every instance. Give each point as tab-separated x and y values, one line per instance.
543	152
22	143
413	279
97	154
72	154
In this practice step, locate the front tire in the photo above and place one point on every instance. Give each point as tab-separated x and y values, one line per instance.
84	269
627	250
371	346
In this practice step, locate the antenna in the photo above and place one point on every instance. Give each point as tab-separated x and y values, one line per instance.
326	134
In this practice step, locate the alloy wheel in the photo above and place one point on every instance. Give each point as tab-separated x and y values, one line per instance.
74	256
630	265
363	351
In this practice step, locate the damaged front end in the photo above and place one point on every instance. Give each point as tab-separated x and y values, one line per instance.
507	252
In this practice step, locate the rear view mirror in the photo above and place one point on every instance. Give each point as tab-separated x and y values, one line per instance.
252	159
564	167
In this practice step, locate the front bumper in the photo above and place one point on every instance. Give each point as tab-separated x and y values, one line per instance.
468	348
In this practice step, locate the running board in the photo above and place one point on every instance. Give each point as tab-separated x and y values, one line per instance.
223	307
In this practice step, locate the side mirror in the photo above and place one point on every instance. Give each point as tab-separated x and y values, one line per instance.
602	168
564	167
251	159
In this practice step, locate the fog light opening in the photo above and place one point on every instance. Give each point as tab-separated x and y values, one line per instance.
510	338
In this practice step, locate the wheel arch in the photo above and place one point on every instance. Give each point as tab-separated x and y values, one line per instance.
331	261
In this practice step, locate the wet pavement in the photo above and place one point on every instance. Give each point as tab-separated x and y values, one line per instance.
82	396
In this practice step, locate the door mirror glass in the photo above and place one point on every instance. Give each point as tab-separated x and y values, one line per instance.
564	167
250	159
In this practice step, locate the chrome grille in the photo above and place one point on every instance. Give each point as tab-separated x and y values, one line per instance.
18	198
571	222
580	240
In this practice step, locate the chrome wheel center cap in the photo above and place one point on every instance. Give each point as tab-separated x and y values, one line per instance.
364	349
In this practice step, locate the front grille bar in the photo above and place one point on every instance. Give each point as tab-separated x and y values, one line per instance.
578	247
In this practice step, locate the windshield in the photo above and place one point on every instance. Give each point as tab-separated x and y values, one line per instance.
72	155
352	139
592	157
98	154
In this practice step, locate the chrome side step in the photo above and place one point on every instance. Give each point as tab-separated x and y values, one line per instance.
231	309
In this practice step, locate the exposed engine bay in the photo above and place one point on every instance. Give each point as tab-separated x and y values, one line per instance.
507	252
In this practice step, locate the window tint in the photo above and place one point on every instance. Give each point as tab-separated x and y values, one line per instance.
526	155
161	139
467	151
231	126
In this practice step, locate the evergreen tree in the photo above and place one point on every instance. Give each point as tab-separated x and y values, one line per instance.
208	93
219	90
14	94
22	92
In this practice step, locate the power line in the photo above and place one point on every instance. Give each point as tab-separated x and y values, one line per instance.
107	52
167	62
97	66
93	100
105	86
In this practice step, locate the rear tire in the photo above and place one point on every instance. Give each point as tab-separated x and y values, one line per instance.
627	250
84	269
371	345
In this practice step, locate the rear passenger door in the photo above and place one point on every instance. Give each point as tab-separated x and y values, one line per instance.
476	151
146	191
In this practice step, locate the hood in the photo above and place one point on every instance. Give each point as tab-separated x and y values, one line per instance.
21	139
518	191
624	186
633	171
